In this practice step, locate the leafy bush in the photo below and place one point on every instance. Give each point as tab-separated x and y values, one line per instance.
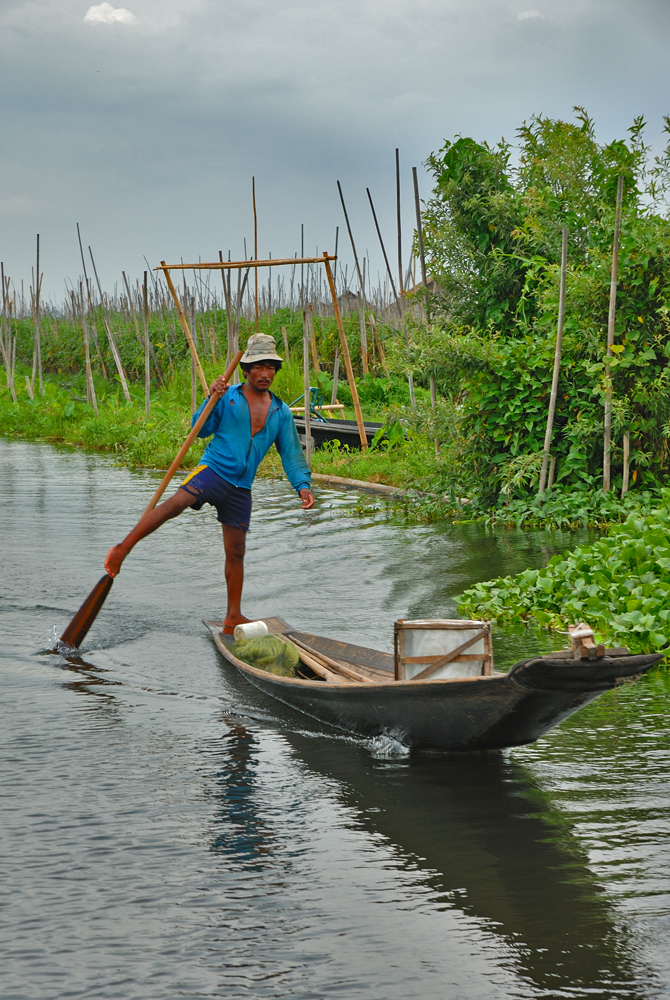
620	585
493	234
577	508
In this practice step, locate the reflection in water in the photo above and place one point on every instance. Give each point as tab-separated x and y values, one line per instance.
89	679
487	838
241	832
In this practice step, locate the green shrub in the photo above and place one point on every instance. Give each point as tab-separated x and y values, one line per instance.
620	585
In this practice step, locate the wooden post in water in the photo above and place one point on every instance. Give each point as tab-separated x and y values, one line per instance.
557	365
345	355
147	342
607	437
305	365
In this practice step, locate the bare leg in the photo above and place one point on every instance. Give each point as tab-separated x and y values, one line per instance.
171	507
234	544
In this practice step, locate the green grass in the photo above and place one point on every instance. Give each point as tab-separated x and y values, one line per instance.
137	439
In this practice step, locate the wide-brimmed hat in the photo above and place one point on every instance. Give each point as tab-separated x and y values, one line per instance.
260	347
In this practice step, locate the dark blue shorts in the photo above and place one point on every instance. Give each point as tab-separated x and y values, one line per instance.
233	503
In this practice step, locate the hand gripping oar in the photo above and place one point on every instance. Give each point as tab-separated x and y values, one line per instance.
74	634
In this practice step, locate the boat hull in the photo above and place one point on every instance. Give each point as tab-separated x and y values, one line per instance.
474	713
344	431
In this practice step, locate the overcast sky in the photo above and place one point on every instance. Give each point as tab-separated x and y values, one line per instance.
146	123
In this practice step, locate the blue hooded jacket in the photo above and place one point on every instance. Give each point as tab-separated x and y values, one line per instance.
235	455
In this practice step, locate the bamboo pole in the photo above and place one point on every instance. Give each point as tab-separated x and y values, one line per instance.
37	303
626	464
90	385
336	375
345	355
194	380
310	321
110	336
305	367
233	265
557	365
410	377
552	470
88	297
133	313
225	281
398	214
253	196
419	234
380	349
433	403
361	285
211	403
185	327
6	339
285	338
607	436
131	307
147	343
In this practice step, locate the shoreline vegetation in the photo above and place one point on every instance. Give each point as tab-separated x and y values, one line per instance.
524	379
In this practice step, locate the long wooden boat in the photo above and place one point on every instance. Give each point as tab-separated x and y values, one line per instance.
361	695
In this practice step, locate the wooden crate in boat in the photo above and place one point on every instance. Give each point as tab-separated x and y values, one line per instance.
442	648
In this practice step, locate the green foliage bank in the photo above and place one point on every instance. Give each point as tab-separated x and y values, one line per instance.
620	585
493	236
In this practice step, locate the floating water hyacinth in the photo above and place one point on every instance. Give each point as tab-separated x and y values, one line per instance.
620	585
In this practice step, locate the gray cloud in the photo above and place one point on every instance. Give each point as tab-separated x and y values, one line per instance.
147	132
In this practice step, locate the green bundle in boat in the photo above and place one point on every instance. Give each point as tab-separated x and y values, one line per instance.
268	652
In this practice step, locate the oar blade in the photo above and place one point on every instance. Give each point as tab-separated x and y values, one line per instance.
74	634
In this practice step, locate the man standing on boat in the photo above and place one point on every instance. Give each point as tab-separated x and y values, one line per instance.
245	422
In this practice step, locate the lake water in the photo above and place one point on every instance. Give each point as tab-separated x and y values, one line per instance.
167	831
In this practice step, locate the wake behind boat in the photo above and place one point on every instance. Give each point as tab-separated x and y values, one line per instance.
451	699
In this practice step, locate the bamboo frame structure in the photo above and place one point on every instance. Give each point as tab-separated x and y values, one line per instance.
229	265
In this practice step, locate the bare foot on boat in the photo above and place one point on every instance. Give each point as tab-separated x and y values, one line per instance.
231	621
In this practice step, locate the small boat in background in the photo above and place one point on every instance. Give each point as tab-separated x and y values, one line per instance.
439	689
344	431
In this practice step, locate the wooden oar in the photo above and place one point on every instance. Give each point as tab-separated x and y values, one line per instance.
74	634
